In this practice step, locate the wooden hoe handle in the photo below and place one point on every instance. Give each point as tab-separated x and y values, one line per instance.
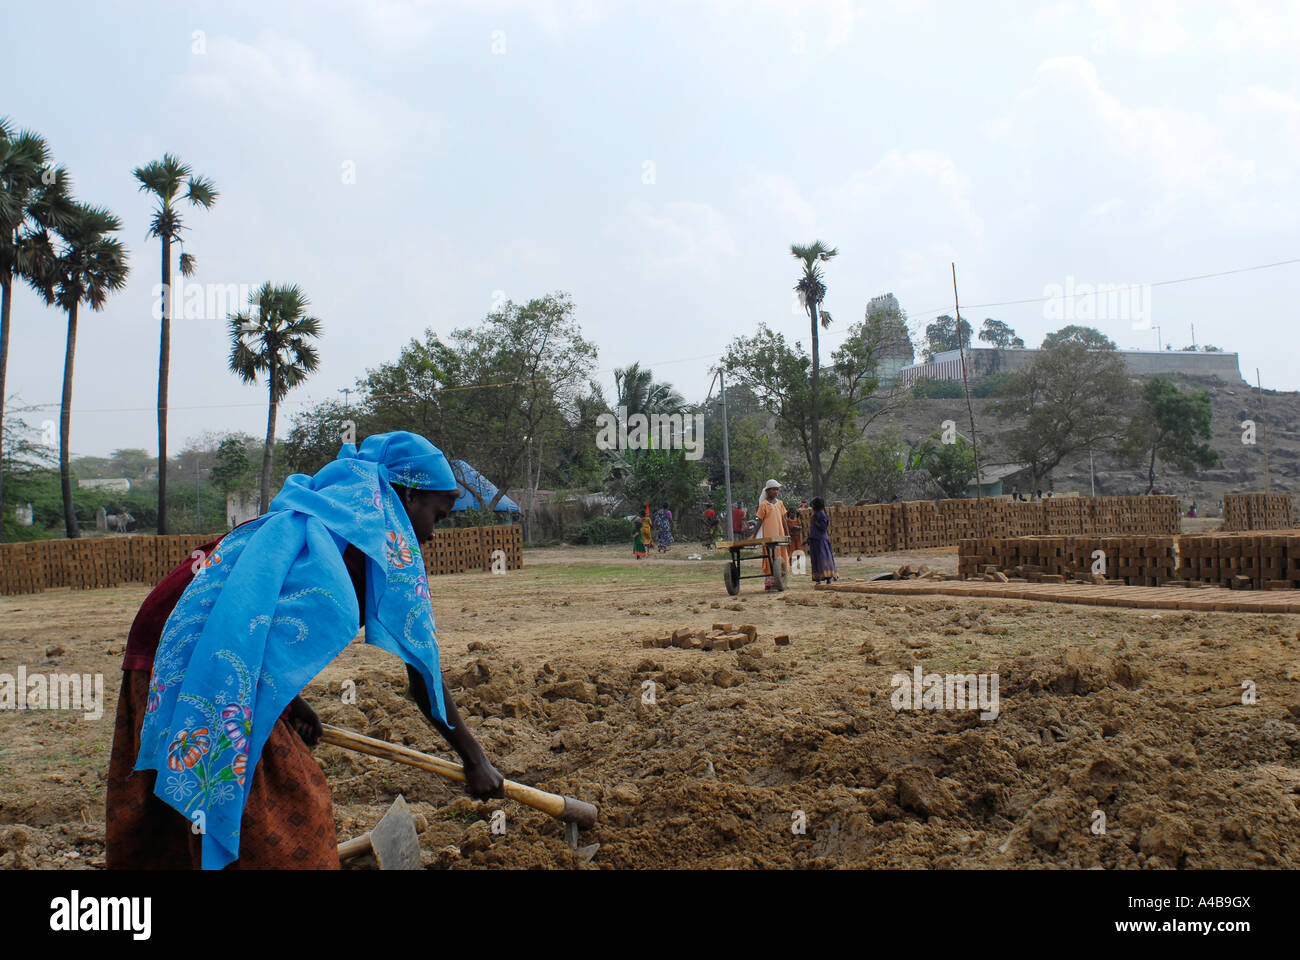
564	808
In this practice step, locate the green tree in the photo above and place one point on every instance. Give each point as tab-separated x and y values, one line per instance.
165	179
1170	425
1000	335
1089	337
848	398
90	265
1068	400
318	432
33	200
941	336
276	342
811	289
952	465
873	469
233	471
498	395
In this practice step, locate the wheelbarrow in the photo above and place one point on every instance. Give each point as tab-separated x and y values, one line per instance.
759	548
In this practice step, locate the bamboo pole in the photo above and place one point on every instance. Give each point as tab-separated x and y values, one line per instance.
564	808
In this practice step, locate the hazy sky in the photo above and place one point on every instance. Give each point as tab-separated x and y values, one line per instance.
656	160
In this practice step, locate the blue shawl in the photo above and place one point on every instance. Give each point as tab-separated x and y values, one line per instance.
269	609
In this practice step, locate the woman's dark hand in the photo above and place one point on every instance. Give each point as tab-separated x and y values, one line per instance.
304	721
482	780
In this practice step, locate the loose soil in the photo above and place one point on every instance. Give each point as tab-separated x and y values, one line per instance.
1126	719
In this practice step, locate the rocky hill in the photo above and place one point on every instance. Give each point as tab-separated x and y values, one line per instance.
1241	467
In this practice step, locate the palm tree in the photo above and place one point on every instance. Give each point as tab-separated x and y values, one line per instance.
639	392
812	290
89	267
164	179
33	198
276	342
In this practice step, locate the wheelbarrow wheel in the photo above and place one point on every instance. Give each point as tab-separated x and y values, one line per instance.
778	573
730	579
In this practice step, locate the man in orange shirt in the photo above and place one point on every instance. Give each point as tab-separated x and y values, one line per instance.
772	523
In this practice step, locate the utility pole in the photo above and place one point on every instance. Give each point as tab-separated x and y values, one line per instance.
1159	345
1268	486
198	509
1193	336
975	448
726	451
346	391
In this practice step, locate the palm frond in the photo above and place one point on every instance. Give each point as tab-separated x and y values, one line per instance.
202	192
187	264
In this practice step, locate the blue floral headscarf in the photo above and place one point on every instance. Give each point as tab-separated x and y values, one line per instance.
269	609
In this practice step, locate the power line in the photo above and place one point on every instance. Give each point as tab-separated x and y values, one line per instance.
1157	283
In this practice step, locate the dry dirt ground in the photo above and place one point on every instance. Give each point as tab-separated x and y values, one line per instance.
1131	715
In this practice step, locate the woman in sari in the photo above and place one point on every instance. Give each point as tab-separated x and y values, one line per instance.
819	544
663	520
210	764
641	539
772	523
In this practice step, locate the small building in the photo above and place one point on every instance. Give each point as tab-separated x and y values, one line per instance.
997	481
984	361
115	485
242	507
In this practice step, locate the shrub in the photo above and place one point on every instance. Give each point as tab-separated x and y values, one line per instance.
926	389
600	530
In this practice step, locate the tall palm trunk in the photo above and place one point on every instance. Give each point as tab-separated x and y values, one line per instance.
65	428
6	301
816	426
164	369
270	441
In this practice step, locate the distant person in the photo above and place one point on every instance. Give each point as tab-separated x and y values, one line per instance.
1192	511
711	527
641	539
819	544
795	524
1038	495
738	521
663	531
772	523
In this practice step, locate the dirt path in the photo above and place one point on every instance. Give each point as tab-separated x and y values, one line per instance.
1130	714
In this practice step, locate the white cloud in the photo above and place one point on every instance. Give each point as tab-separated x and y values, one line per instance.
680	234
1180	160
276	91
1163	28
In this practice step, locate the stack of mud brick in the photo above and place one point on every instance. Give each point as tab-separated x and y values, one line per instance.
1241	560
866	529
506	538
1135	561
871	529
91	563
470	549
1258	511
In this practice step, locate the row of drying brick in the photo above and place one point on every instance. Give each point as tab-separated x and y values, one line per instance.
1254	560
95	563
868	529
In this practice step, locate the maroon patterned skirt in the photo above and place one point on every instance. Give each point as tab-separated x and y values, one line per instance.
288	822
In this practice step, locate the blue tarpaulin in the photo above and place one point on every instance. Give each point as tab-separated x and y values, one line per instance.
477	491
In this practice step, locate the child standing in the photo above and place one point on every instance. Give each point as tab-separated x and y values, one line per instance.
819	544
